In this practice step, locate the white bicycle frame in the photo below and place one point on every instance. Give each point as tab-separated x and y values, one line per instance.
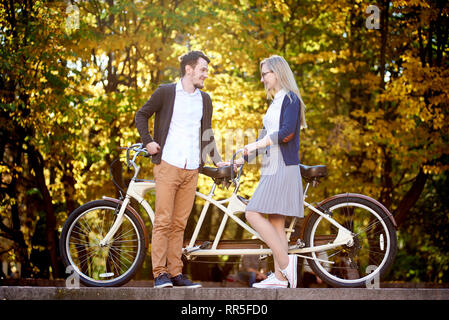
139	187
234	206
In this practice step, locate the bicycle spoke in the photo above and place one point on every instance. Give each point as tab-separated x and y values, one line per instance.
124	252
117	267
124	234
120	263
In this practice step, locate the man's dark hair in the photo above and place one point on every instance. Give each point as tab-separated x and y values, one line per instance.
191	59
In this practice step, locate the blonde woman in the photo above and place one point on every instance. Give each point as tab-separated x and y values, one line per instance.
279	193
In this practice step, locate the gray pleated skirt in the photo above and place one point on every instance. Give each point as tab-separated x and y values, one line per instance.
280	187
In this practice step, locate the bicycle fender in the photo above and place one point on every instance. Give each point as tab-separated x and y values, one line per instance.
361	196
135	214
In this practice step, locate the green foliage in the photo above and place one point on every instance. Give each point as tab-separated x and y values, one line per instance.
424	243
377	104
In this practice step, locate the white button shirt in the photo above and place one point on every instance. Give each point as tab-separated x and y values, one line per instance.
270	161
273	115
182	147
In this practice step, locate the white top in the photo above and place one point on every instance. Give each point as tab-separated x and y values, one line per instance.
270	162
271	118
182	147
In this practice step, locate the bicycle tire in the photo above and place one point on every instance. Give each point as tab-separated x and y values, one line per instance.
107	266
372	252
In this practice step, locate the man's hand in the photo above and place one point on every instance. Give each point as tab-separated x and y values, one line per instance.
153	148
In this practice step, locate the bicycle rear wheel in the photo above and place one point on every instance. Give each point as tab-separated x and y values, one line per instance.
111	265
371	252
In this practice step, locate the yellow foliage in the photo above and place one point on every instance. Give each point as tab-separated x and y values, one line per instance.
77	93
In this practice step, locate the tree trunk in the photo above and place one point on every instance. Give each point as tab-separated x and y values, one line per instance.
387	180
37	163
384	41
69	188
410	198
15	234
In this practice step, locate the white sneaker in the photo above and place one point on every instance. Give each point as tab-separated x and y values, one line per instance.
271	283
291	271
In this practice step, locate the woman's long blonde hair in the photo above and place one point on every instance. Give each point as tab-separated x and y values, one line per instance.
287	81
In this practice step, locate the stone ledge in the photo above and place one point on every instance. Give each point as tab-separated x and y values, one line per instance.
232	294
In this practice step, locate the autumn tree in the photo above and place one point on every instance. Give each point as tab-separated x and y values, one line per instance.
376	98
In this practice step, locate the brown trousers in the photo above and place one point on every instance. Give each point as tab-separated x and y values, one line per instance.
175	194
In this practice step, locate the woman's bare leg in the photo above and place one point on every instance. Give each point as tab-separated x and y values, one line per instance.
270	236
278	222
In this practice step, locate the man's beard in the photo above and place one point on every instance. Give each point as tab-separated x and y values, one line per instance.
199	85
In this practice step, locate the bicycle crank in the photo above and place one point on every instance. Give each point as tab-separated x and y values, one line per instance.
202	246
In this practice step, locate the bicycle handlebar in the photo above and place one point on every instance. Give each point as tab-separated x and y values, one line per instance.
232	167
138	148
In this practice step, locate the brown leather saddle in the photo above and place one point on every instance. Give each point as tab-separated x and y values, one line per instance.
313	173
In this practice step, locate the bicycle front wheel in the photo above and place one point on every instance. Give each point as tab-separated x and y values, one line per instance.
367	258
113	264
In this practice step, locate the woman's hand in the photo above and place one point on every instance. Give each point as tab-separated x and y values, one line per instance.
249	148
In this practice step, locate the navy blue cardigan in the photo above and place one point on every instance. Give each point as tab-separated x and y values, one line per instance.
289	130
